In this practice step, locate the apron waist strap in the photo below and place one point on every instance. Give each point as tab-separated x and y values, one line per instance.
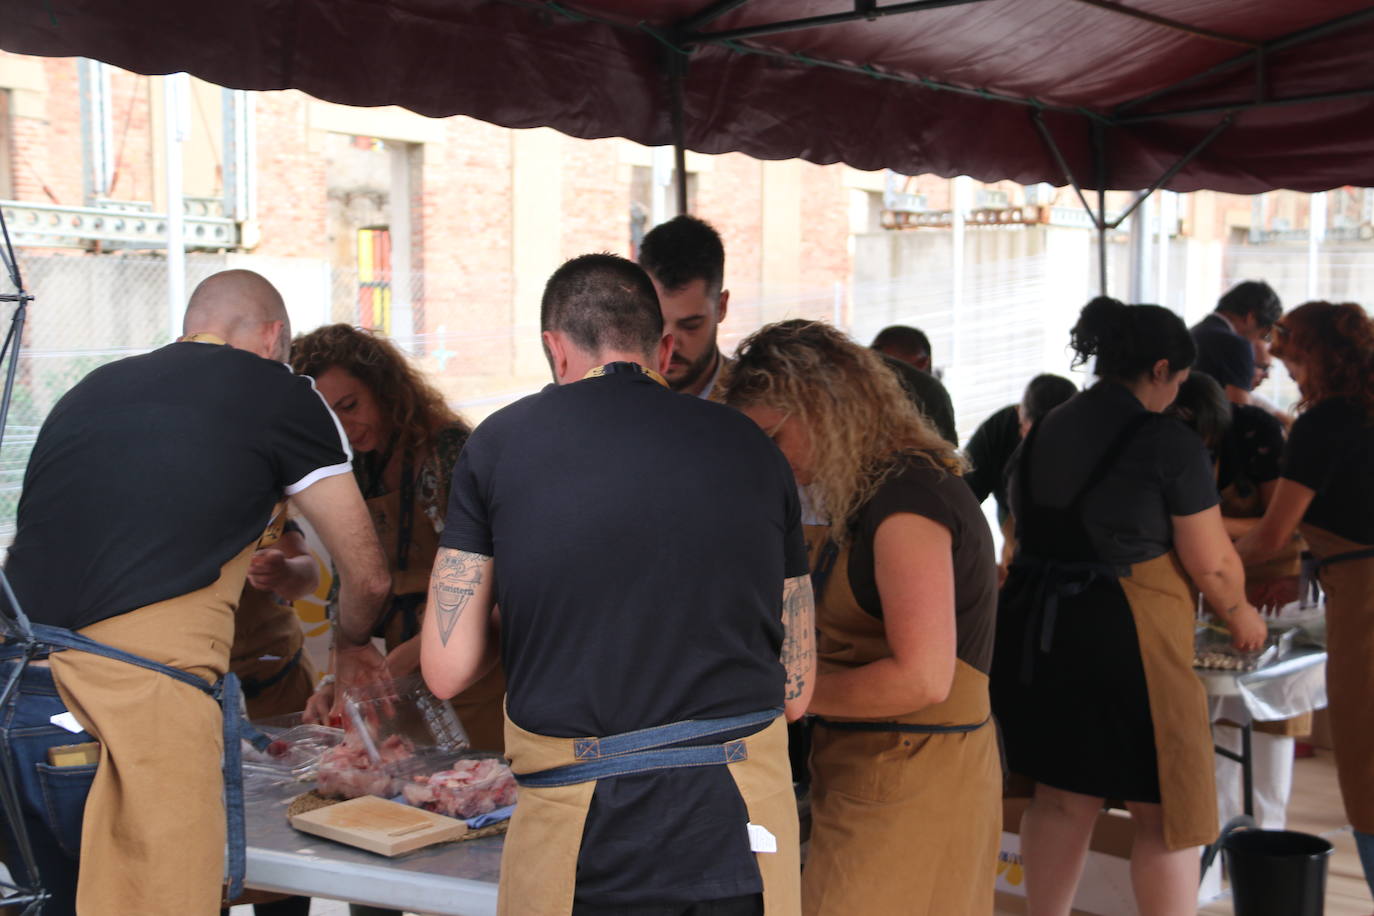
1054	579
253	687
651	749
229	697
904	727
1364	553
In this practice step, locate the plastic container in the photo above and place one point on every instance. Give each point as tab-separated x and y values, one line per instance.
394	729
403	708
464	786
294	751
1277	872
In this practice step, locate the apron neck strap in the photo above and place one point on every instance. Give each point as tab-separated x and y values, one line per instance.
203	338
614	368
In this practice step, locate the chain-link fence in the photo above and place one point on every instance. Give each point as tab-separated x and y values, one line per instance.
477	336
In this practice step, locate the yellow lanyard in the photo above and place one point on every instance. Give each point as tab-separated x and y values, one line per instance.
203	338
612	368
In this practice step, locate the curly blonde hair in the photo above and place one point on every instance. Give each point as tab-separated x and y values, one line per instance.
863	425
414	407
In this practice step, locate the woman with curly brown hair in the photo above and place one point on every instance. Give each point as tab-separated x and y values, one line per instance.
1326	491
906	782
405	441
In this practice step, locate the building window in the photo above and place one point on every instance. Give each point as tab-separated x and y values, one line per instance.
374	278
653	198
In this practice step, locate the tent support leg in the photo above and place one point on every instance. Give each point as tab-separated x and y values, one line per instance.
16	628
1099	141
677	72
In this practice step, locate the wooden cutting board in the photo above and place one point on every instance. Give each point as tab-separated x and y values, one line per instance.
379	825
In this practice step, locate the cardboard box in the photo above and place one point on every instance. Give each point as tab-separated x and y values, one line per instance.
1105	889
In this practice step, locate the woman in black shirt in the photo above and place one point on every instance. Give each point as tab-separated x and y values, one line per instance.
906	780
1326	490
1092	678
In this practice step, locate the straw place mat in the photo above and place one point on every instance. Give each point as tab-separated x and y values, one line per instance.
313	801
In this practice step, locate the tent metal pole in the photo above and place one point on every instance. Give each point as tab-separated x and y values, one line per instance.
1278	44
677	72
708	15
1247	105
1175	168
1099	142
860	13
1063	164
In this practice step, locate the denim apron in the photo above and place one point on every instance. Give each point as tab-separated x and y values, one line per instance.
906	811
167	789
557	778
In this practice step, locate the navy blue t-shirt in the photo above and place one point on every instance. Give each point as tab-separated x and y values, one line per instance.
1223	354
641	538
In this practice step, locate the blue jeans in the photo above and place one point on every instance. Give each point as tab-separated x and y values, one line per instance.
52	799
1364	842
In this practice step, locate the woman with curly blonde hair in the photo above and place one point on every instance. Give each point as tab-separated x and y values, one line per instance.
405	441
906	782
1326	491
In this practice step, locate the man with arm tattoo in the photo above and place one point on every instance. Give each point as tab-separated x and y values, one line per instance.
653	641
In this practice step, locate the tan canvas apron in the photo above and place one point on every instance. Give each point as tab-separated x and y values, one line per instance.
1286	564
480	707
901	823
267	638
1349	588
539	862
1162	604
152	839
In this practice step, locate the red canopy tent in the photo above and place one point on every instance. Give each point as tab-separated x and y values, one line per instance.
1231	95
942	86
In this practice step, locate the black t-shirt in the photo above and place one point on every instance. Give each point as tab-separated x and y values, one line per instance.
1251	450
1223	354
988	450
1165	471
941	497
1331	450
641	538
928	394
155	471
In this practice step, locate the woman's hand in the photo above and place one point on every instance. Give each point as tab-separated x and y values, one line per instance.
319	706
1248	629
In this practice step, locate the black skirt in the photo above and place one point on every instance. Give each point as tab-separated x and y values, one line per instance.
1079	718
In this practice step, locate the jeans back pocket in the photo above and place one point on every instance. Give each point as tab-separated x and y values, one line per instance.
64	801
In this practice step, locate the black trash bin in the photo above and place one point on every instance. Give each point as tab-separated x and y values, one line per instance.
1277	872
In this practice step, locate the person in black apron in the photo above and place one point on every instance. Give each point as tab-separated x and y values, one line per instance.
1092	677
1326	492
905	773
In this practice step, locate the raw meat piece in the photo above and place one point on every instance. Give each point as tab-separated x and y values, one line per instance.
348	771
471	787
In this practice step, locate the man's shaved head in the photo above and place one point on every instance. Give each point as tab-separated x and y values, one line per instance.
239	306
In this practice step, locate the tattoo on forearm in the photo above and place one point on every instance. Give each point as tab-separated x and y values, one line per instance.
798	639
455	580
